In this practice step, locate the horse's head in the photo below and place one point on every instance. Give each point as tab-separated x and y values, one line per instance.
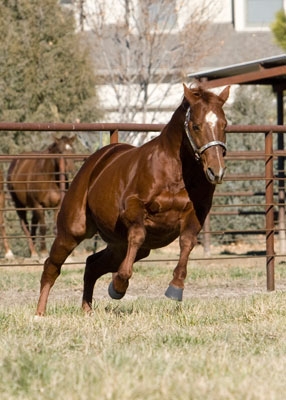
63	145
205	124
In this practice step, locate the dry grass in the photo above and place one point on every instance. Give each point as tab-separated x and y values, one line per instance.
226	340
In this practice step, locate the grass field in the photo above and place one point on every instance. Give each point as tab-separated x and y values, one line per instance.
226	340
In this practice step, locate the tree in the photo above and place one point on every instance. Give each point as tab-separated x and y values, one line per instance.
143	48
279	29
45	70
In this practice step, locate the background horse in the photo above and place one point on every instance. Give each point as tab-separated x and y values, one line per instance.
7	250
34	183
143	198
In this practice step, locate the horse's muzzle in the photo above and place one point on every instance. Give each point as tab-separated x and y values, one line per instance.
215	177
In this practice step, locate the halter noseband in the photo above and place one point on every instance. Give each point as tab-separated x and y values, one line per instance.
199	151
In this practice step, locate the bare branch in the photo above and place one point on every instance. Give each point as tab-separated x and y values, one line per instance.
143	48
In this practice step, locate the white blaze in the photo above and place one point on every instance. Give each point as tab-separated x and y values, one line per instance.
211	118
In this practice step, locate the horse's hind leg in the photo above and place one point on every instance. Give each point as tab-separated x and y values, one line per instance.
97	265
60	250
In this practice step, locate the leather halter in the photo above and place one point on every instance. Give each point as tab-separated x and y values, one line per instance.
199	150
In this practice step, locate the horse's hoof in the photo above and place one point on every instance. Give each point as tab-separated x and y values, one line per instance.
174	293
113	293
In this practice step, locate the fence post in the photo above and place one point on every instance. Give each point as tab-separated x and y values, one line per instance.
269	210
281	176
113	139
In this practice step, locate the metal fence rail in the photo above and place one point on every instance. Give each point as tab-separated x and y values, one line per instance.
269	176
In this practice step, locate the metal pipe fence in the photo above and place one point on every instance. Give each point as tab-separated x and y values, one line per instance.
267	203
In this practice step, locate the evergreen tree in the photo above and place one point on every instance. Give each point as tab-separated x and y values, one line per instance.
45	71
279	29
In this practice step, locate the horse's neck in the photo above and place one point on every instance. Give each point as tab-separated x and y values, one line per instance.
174	139
173	133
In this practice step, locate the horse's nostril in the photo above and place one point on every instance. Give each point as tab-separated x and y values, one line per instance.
211	174
215	177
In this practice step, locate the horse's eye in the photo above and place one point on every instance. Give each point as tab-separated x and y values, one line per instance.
196	128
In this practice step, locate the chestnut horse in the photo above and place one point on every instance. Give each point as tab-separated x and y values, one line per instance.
34	183
143	198
8	252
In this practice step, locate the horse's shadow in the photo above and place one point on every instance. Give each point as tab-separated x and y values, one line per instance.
256	253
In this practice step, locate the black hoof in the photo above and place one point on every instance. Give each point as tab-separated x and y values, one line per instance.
174	293
113	294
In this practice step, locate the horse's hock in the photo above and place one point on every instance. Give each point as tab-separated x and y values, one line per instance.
271	200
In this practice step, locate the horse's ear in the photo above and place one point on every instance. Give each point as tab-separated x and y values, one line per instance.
190	95
224	94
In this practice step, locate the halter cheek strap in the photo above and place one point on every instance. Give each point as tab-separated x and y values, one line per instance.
199	150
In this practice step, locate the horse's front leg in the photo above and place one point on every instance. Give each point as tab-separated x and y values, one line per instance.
187	240
133	218
120	279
